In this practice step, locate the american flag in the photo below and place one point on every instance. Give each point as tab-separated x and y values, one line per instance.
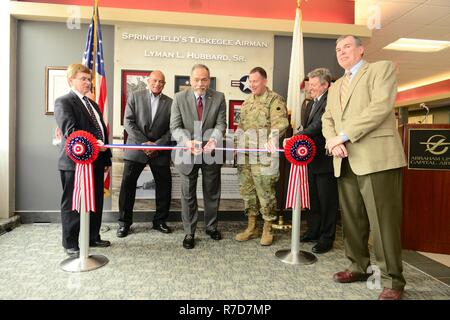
94	48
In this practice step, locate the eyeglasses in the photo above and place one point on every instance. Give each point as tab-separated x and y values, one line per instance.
83	79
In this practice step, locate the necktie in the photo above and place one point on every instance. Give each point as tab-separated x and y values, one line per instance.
98	131
313	107
344	88
199	108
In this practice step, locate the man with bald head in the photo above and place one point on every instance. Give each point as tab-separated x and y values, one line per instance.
146	121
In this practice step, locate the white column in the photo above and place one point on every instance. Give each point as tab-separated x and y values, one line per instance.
8	27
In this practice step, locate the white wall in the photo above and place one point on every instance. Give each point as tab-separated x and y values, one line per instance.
175	44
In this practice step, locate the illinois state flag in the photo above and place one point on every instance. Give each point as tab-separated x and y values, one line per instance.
93	59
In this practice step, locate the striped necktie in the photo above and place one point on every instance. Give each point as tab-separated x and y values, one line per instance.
98	131
344	88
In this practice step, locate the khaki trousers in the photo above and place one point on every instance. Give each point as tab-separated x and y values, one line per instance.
373	202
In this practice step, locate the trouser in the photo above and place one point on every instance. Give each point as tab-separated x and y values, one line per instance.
211	197
127	195
322	216
70	219
373	202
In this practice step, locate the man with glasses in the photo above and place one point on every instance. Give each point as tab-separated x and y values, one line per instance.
146	122
198	122
75	111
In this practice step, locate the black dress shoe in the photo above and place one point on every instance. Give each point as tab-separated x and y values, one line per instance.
322	247
72	252
214	234
189	242
100	243
162	227
122	232
307	238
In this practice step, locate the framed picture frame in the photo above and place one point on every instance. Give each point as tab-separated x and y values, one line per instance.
131	80
234	112
183	83
56	85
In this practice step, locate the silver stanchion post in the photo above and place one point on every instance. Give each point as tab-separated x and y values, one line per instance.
85	262
295	255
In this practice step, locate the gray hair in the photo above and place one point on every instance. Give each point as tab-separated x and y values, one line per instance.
200	66
358	40
323	74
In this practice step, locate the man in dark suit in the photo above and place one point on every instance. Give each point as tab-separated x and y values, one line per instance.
146	121
323	191
74	111
198	114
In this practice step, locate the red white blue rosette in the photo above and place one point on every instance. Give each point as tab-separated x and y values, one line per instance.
82	148
299	151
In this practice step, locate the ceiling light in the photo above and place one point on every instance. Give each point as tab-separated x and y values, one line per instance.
418	45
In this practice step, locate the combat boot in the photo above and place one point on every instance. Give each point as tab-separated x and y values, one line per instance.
267	236
250	232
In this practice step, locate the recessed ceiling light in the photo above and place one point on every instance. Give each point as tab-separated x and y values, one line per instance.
418	45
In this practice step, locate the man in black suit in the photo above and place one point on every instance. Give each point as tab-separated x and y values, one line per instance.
323	192
199	115
146	120
74	111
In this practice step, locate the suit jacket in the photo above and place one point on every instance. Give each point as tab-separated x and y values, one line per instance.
140	127
313	128
72	115
367	119
183	116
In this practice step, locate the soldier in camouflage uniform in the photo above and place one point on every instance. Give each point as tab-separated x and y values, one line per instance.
263	121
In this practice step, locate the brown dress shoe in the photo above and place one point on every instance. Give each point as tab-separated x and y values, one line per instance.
390	294
348	276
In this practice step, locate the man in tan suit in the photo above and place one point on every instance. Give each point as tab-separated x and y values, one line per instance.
360	130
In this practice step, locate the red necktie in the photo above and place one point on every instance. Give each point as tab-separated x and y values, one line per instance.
199	108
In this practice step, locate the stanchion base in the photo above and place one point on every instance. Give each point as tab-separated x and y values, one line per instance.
281	226
92	262
301	258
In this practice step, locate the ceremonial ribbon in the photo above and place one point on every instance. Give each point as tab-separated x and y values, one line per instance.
82	148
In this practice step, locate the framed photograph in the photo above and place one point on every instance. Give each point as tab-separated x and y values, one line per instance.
234	112
131	80
56	85
183	83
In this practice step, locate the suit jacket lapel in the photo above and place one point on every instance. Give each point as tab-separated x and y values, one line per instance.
192	104
208	103
161	108
362	70
81	105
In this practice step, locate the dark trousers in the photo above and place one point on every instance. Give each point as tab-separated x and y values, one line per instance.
322	216
70	220
127	195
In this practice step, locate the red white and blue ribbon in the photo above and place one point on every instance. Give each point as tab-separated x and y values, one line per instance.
82	148
299	151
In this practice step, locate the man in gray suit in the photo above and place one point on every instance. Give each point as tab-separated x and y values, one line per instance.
146	121
198	114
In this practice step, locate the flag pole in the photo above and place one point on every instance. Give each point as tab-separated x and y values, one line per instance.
294	255
94	52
